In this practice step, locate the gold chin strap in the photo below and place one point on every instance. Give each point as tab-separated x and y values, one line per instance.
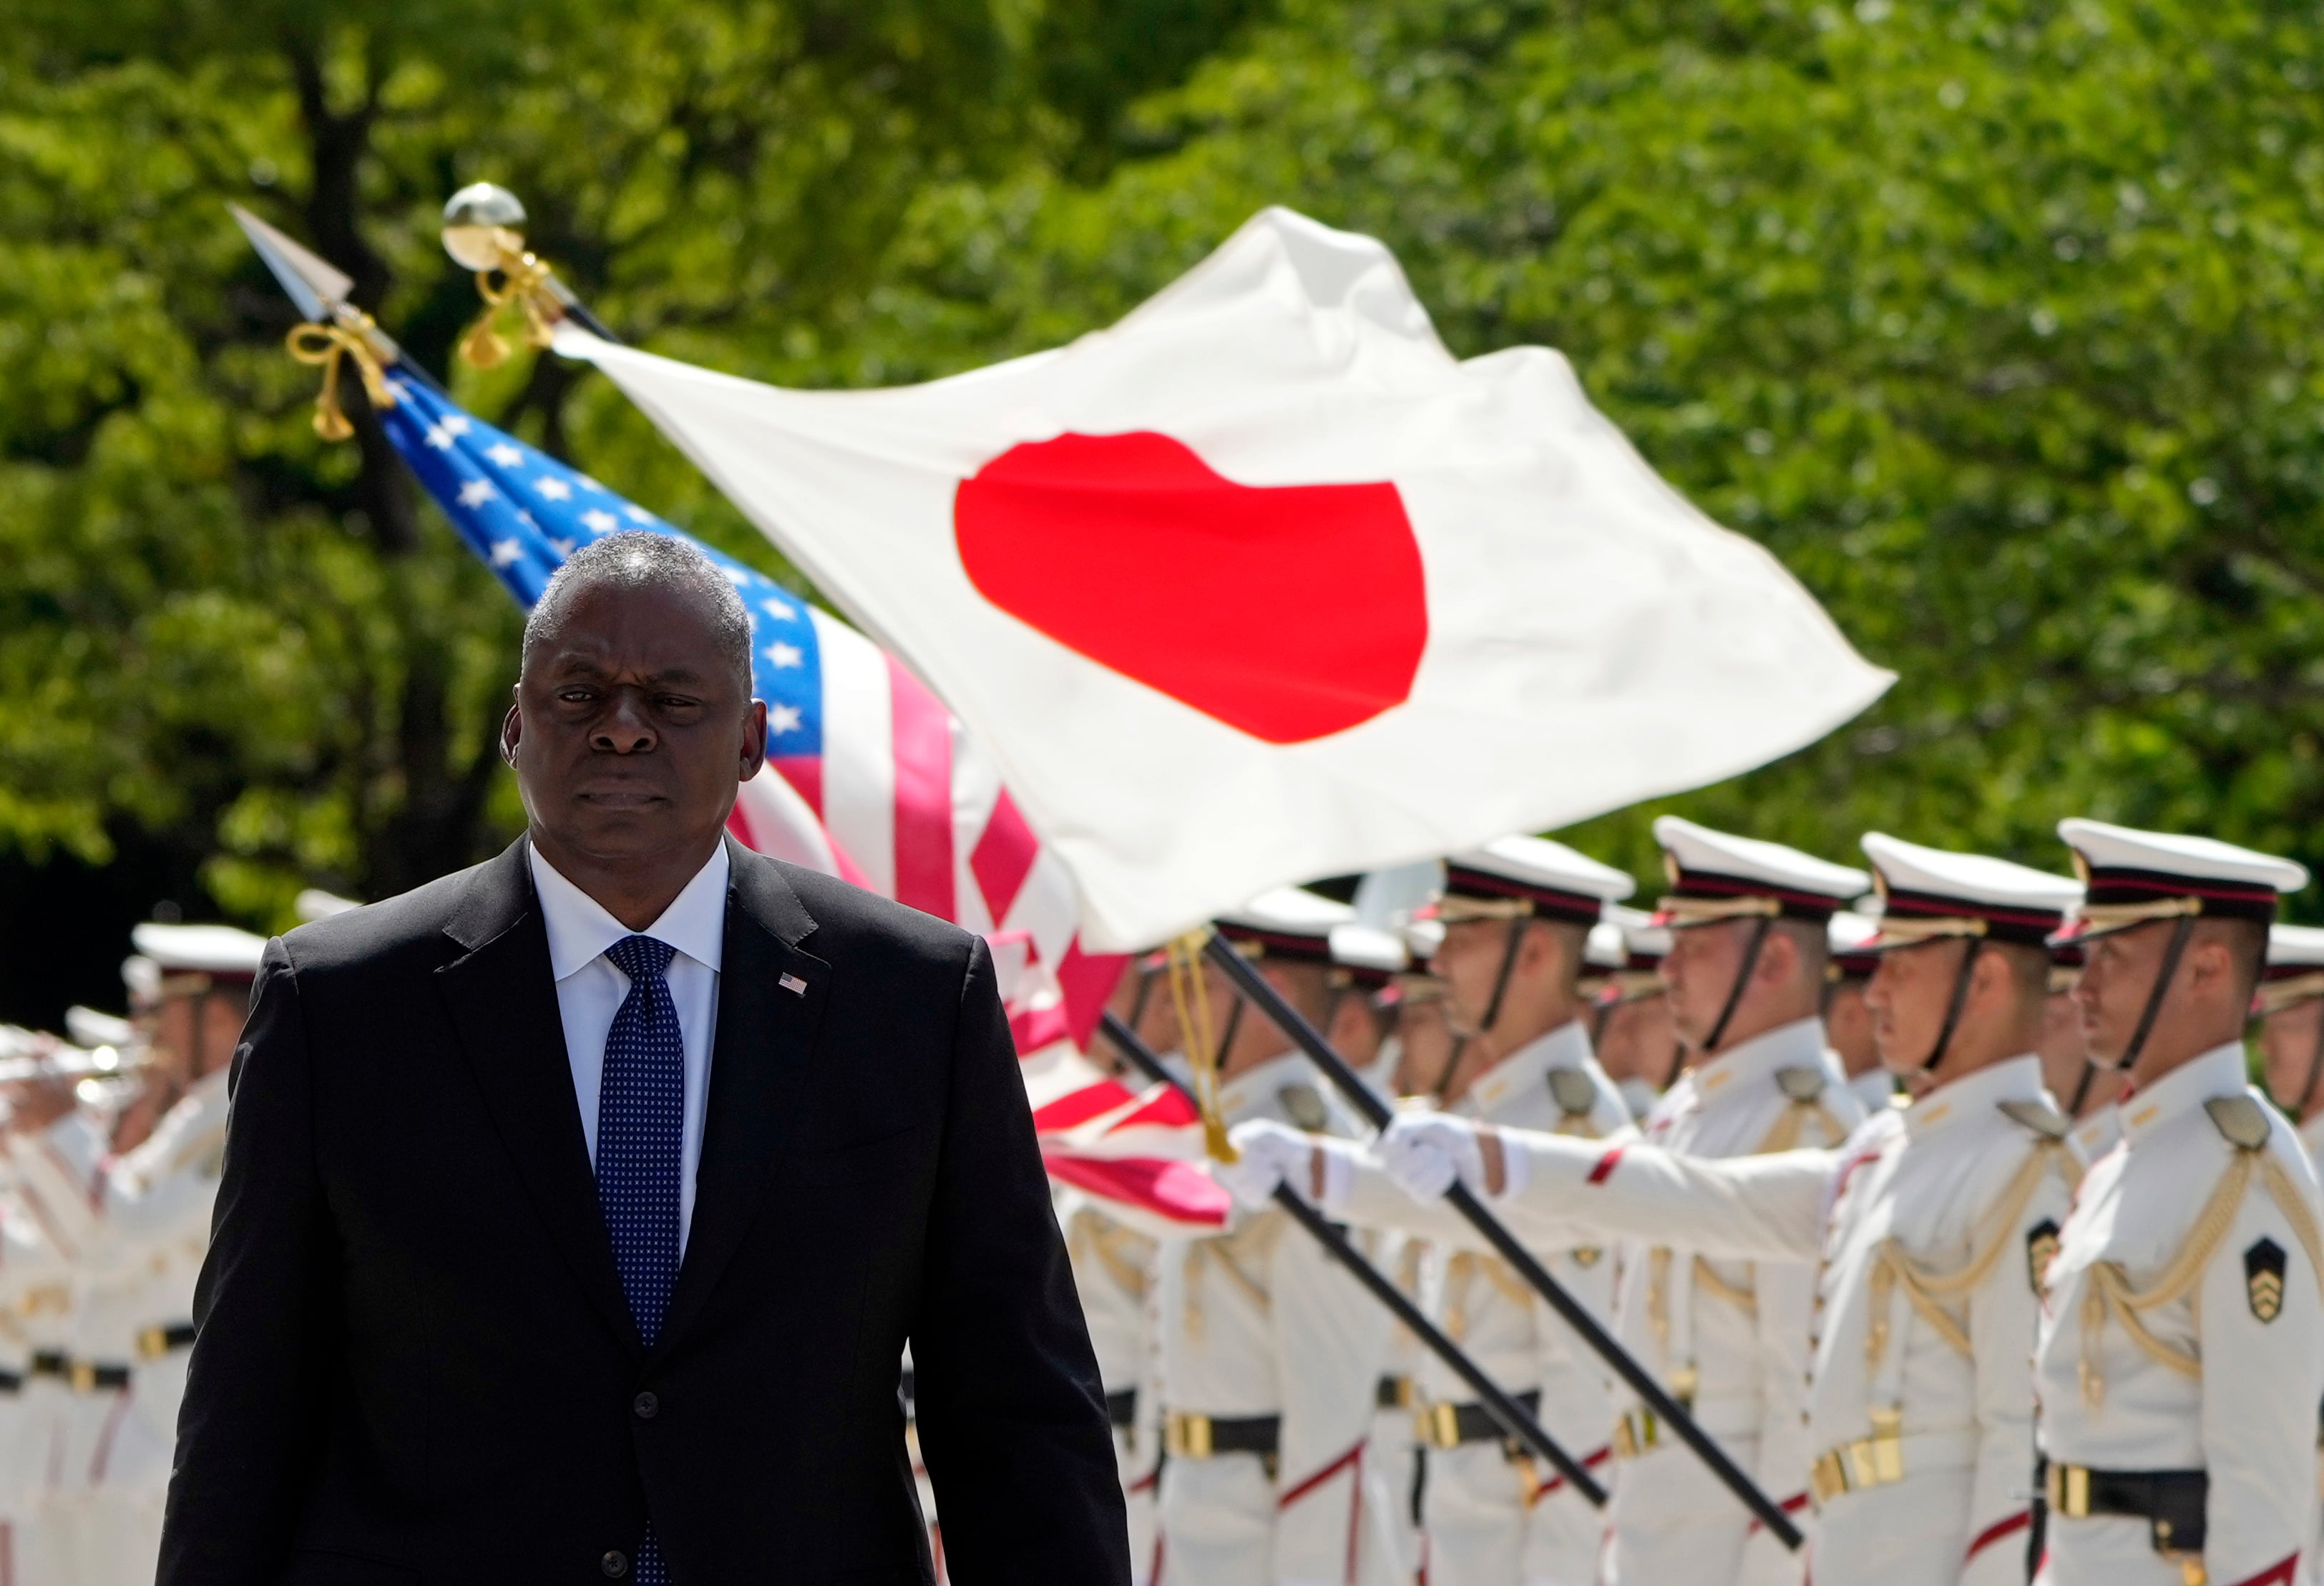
1190	995
326	346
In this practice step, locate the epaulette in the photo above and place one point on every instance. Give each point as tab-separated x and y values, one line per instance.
2241	1120
2038	1116
1803	1085
1574	1092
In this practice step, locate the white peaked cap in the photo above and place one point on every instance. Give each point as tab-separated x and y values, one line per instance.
1643	936
1707	867
199	949
1530	876
1389	898
1606	948
2105	848
1288	922
2295	947
1849	931
91	1029
1926	892
1369	949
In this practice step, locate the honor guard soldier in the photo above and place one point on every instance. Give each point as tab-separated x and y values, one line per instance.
1270	1351
1727	1337
1516	915
1930	1226
1635	1041
2291	1009
2085	1092
1847	1020
2181	1356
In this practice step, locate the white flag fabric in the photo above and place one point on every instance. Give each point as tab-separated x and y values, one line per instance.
1262	583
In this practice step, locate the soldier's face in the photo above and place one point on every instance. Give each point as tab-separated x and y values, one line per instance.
630	733
1426	1036
2062	1051
1700	971
1638	1042
1908	997
2288	1048
1469	962
2117	978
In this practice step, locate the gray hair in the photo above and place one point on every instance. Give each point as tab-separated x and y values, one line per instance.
642	559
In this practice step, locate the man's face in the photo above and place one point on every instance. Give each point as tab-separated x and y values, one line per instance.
194	1035
630	734
2118	973
1638	1041
1700	970
1469	962
2288	1048
1847	1028
1425	1034
2062	1052
1908	997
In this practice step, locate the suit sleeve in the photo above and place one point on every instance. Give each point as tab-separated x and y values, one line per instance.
1578	1192
2005	1312
1011	1417
251	1425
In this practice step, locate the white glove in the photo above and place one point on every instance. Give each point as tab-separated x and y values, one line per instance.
1270	1153
1426	1152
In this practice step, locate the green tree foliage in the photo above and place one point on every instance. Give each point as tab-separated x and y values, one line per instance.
1991	318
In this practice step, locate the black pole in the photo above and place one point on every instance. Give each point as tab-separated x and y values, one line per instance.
1504	1409
1667	1410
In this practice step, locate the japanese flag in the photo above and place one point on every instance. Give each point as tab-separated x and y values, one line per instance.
1262	583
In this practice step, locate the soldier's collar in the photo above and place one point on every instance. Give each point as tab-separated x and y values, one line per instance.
1977	1094
2219	1072
1787	1045
1522	1071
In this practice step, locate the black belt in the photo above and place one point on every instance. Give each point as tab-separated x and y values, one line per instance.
98	1377
1202	1437
1393	1393
53	1363
1122	1407
154	1343
2171	1502
1445	1425
12	1381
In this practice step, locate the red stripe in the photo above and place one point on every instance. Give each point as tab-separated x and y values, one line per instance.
1079	1106
1604	1170
1354	1456
804	773
922	746
1589	1462
2281	1575
1003	856
1086	979
1790	1505
1997	1530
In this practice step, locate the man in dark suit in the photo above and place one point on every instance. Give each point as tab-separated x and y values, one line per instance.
577	1207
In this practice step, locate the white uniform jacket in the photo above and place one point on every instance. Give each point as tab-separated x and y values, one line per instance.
2183	1330
1260	1321
1931	1226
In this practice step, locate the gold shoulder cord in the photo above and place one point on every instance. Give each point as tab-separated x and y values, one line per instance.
1930	1292
2110	1290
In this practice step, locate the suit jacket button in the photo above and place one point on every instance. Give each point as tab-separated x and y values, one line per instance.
615	1564
645	1406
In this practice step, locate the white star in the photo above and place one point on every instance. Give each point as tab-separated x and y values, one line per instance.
505	551
600	521
475	492
439	437
456	424
785	655
737	577
552	488
505	455
525	518
782	718
590	484
564	547
637	514
780	611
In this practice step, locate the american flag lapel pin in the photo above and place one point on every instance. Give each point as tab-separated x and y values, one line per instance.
793	984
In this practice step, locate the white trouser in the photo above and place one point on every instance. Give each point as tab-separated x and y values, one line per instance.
1218	1522
1137	1498
1912	1533
2105	1550
1388	1553
1673	1521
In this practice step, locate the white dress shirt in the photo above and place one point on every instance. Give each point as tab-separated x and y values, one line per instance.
590	991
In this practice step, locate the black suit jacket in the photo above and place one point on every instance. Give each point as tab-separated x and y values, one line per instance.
415	1362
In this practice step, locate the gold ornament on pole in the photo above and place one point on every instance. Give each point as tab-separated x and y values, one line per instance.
327	346
1190	997
483	231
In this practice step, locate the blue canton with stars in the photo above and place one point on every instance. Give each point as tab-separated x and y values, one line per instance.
523	512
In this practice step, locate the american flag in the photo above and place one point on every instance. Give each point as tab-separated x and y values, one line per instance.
868	775
868	778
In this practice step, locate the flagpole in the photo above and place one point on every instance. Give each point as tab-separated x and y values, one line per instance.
1667	1411
1506	1411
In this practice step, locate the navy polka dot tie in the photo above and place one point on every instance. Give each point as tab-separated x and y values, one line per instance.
640	1143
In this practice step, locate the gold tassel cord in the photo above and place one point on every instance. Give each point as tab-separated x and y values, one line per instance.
524	281
1932	1293
1190	997
326	347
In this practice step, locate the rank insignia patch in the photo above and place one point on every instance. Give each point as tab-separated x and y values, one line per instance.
1304	1107
2041	1246
2263	1278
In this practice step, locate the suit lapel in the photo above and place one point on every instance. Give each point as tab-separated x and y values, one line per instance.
502	998
771	1001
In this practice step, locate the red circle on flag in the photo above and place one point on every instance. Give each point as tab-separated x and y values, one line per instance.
1289	612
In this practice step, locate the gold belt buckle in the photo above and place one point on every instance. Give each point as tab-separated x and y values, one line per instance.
1635	1434
152	1343
1440	1425
82	1375
1405	1393
1187	1436
2069	1491
1887	1443
1830	1477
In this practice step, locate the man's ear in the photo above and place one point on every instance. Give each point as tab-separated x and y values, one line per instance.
754	739
1779	958
511	730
